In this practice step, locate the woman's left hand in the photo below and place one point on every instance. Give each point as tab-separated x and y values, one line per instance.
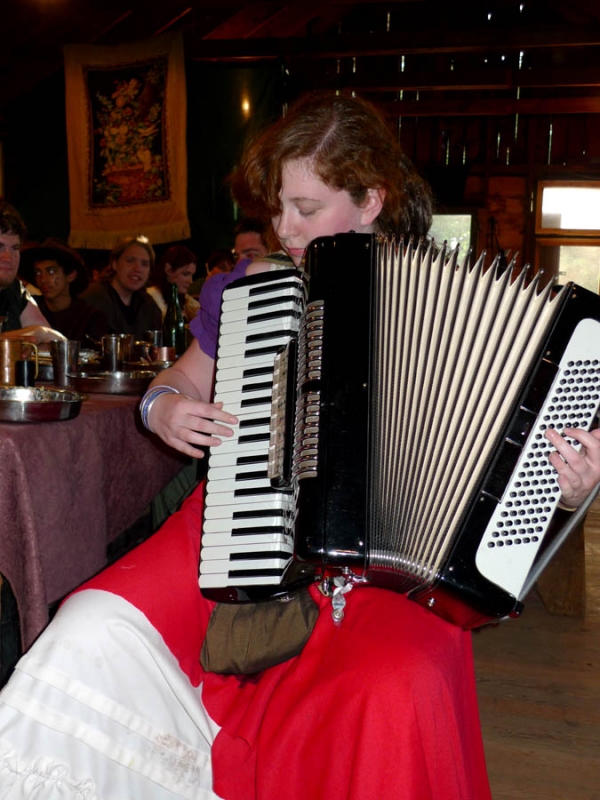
578	470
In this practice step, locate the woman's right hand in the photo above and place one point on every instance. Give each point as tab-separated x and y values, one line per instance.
187	424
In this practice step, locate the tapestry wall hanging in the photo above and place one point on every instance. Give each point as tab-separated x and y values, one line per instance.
126	138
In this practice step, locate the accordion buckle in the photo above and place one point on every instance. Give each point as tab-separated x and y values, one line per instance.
337	588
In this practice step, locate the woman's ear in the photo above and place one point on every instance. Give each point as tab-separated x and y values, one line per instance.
372	206
169	269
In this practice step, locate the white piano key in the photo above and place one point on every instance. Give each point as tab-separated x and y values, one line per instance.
221	580
244	340
270	551
225	538
223	485
252	316
233	405
229	498
251	565
243	385
238	330
225	459
243	505
235	444
240	372
232	350
275	289
255	361
235	472
258	393
240	307
227	524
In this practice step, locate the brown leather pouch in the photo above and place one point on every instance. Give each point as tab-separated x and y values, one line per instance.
245	638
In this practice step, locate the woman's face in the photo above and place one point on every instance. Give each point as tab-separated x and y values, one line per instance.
132	268
310	208
182	277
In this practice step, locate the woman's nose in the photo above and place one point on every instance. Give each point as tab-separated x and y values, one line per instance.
283	228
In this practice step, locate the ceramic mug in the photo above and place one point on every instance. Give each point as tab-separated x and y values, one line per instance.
11	351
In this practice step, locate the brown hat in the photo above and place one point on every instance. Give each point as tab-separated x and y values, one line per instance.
54	250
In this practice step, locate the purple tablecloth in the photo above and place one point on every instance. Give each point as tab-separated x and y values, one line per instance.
67	489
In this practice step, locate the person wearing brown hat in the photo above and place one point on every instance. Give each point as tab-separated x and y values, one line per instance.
60	275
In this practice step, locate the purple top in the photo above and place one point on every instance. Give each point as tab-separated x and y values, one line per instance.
205	325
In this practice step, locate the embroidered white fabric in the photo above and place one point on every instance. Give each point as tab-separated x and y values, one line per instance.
98	709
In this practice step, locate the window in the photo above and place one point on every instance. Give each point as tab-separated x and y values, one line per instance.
568	232
455	228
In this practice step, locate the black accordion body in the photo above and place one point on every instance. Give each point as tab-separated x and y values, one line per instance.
392	406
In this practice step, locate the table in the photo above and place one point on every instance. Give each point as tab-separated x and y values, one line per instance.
69	488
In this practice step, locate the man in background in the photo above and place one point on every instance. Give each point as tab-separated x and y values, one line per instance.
250	239
21	318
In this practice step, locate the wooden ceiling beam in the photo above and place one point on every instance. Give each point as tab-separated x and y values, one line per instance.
395	43
244	23
491	79
293	19
492	107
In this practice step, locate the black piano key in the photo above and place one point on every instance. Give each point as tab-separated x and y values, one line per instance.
254	387
265	335
265	288
257	437
262	351
259	556
273	315
255	573
251	476
255	401
266	490
252	423
257	459
270	529
273	301
258	513
257	371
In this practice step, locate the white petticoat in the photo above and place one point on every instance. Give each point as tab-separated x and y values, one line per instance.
100	710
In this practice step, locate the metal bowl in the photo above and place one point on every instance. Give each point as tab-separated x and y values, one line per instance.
134	382
38	404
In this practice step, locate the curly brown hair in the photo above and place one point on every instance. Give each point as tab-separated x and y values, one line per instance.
11	221
351	147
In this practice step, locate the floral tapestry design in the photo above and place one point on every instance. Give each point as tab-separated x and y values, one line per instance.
127	112
127	141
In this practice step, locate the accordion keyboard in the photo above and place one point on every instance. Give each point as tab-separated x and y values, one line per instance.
247	535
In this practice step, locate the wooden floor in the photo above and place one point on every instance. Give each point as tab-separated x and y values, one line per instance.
539	695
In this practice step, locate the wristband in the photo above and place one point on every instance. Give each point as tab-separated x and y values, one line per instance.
148	400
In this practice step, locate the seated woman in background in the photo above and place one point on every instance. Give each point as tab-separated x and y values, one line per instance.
177	265
122	296
60	275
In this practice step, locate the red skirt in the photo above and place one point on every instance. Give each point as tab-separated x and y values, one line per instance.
382	706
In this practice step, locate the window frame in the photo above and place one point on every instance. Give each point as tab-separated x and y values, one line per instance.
561	237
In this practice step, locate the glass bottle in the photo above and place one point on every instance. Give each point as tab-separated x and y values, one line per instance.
174	324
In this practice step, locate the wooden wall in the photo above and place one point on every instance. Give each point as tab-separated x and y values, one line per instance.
492	164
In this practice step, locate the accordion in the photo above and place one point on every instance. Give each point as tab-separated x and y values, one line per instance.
392	404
